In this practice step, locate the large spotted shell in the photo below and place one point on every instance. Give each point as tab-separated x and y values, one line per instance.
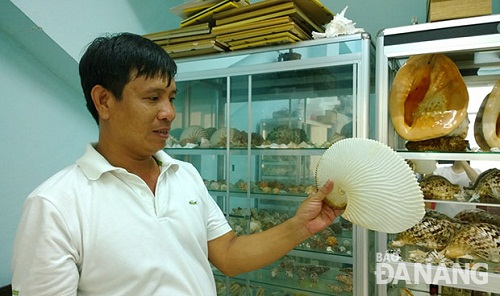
487	185
472	216
429	233
475	240
438	187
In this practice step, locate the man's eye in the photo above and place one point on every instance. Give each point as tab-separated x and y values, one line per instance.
153	98
172	99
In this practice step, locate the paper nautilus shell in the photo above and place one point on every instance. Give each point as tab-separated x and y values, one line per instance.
375	186
428	98
487	123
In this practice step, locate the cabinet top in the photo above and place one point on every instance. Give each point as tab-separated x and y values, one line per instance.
344	49
465	27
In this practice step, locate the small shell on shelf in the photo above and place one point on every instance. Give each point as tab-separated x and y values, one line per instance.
438	187
422	166
375	185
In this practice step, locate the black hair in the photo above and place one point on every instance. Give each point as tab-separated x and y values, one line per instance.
111	60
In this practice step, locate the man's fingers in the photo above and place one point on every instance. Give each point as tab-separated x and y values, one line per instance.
326	188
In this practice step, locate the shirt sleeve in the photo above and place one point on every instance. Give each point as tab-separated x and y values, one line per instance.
44	257
217	222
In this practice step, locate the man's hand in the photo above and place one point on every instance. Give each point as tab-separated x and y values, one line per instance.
314	213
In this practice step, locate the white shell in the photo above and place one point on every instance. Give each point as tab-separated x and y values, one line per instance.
375	185
339	25
423	166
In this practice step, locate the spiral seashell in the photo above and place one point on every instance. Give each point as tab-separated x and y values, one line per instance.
361	170
192	135
236	138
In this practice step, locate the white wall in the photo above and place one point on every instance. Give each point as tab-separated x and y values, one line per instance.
43	119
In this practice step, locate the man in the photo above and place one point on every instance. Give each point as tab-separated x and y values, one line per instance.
126	218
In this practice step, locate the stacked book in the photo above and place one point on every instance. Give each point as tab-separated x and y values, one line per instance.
210	26
193	37
270	22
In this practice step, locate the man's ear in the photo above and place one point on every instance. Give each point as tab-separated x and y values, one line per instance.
102	99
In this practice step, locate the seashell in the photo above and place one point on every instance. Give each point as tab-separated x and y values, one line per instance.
210	131
487	121
428	98
283	134
429	233
339	25
472	216
361	170
440	216
446	143
438	187
236	138
192	135
487	185
257	139
421	166
475	240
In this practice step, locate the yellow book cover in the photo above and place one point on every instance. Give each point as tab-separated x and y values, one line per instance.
206	15
219	30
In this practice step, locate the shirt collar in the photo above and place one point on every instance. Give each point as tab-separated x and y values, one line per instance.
94	164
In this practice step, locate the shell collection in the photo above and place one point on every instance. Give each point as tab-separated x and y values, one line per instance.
471	234
279	137
485	189
337	238
292	273
266	187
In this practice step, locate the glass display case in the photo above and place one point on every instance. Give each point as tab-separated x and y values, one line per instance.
420	266
255	123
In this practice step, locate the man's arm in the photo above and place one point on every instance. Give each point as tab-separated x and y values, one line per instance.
234	255
43	260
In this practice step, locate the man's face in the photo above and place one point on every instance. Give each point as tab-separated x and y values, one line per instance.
141	120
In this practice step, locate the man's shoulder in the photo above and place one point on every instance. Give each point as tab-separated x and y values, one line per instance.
64	180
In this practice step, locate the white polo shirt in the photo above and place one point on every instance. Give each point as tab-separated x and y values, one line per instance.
95	229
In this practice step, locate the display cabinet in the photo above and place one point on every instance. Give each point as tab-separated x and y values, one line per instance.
473	44
255	123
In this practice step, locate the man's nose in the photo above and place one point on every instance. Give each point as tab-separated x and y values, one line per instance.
166	111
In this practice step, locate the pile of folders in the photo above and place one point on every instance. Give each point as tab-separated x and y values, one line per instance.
211	26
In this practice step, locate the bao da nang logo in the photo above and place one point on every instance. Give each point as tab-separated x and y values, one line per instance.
390	272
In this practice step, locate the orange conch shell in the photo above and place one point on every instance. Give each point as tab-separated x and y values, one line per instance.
487	123
428	98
